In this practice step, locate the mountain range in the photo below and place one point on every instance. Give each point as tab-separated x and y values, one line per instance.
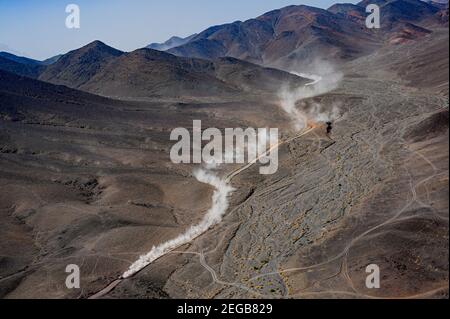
282	37
144	73
212	62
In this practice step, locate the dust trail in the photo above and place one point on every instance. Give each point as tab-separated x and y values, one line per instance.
212	217
314	77
324	79
319	85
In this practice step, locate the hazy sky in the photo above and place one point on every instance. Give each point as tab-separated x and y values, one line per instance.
37	28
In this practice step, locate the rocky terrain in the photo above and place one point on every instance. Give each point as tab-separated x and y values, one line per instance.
376	192
86	176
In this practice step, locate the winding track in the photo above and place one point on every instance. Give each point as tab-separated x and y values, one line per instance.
228	179
110	287
341	255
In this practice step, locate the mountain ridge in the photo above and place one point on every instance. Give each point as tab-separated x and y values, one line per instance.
100	69
281	36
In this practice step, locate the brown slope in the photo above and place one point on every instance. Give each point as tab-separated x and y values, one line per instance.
423	64
78	66
254	78
145	72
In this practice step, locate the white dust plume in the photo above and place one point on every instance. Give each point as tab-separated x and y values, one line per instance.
324	78
213	216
